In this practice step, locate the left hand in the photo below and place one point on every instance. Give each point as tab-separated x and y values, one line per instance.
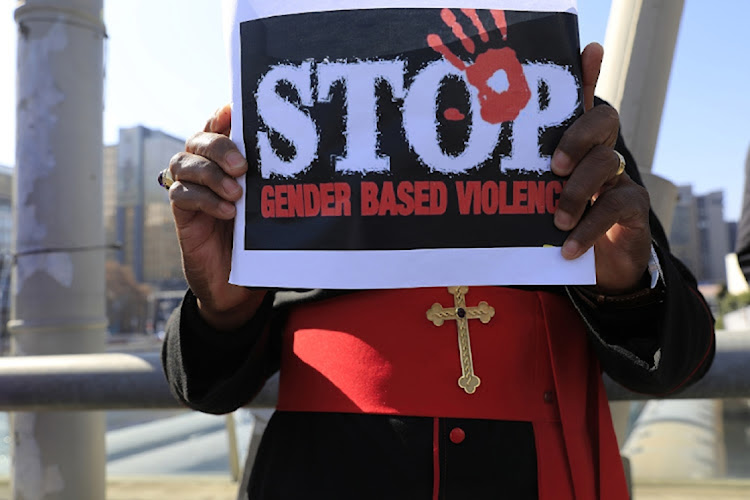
617	224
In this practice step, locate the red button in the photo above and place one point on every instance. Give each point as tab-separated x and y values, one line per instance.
457	435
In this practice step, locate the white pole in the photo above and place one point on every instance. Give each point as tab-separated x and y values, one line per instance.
58	286
638	51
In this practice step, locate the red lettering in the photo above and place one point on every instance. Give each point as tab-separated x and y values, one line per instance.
421	196
536	198
296	201
306	200
281	201
519	197
405	195
369	193
388	200
503	202
266	202
343	198
489	198
312	200
514	207
472	194
404	199
326	199
438	198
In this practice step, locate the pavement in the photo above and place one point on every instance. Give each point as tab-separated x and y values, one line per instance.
172	488
692	490
222	488
161	488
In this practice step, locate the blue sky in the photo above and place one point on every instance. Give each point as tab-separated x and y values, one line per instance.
167	69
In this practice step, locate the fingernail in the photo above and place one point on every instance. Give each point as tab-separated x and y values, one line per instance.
235	160
561	163
570	249
226	207
230	186
563	220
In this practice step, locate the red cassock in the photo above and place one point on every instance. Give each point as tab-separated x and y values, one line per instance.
376	352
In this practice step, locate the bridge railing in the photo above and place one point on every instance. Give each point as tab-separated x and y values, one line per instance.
114	381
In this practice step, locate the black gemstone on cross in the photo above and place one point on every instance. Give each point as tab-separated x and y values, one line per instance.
461	312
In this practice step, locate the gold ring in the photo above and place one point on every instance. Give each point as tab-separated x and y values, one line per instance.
165	179
621	168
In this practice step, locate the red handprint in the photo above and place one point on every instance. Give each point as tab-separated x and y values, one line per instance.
496	107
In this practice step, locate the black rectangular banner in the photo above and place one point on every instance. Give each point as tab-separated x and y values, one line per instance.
406	128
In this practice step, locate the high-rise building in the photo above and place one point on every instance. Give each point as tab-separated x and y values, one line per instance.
109	195
137	212
700	237
684	238
714	236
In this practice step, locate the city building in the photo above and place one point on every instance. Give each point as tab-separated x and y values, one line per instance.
684	237
700	237
144	262
137	214
109	195
714	237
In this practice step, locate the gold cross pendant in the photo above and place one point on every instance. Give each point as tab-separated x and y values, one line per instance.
462	314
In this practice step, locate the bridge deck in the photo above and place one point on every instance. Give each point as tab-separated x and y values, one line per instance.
221	488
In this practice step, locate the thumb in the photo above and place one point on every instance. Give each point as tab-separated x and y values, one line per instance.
591	61
221	122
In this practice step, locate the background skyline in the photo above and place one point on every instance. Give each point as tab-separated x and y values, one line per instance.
166	68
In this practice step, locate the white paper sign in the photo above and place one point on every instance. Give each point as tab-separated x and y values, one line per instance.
402	144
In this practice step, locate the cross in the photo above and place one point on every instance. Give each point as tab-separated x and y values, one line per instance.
462	314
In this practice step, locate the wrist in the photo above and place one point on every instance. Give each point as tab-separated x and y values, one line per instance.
231	318
637	285
643	296
650	288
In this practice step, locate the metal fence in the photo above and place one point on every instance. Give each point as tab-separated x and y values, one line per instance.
127	381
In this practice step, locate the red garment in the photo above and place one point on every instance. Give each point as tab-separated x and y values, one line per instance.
377	353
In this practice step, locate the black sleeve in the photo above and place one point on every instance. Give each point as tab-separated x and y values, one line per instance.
658	340
218	371
743	227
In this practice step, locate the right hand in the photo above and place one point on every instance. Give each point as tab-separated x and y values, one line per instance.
202	199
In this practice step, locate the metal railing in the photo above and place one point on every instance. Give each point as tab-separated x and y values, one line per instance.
127	381
111	381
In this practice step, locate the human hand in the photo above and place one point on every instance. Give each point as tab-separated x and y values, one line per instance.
202	199
617	224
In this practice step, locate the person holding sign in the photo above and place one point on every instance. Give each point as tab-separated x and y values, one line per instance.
425	391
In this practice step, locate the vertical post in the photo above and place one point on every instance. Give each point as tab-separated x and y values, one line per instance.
639	48
638	52
234	453
58	285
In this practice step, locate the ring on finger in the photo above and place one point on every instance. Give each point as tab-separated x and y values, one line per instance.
165	179
621	167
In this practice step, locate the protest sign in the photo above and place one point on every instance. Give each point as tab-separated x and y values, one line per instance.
402	144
